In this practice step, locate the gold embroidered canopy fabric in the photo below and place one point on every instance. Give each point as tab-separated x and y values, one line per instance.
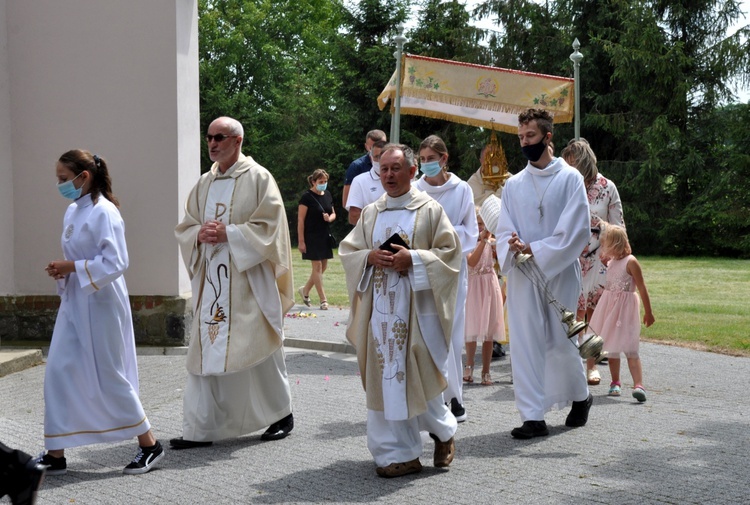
476	95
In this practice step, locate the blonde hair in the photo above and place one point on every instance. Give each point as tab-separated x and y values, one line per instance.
578	154
614	240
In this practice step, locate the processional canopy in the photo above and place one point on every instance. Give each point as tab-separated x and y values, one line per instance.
477	95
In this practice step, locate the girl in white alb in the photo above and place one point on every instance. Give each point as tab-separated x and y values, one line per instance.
91	379
457	200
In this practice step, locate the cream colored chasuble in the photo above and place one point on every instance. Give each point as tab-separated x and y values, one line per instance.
215	299
390	315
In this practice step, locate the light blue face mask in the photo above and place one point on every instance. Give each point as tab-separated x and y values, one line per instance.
68	190
322	187
430	168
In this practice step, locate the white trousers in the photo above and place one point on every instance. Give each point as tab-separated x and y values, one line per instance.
400	441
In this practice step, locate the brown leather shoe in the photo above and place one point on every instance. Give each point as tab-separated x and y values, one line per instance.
399	469
444	451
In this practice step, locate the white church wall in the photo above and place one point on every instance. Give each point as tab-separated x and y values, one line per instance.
108	77
121	80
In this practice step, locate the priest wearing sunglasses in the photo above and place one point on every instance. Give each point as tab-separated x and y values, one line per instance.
234	240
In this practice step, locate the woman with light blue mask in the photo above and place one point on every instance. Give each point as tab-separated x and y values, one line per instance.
315	242
457	201
91	377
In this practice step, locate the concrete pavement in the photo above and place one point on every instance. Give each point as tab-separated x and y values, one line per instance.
687	444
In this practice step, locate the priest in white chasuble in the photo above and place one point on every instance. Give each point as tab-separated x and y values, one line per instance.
402	302
235	243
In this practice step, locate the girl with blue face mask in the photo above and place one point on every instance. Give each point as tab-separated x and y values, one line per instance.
91	378
314	215
433	161
457	200
66	186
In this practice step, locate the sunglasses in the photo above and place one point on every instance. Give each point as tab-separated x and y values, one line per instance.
218	137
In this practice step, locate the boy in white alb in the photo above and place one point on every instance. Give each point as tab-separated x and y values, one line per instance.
545	213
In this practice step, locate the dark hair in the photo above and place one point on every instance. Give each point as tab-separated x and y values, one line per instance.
317	174
79	160
542	117
379	144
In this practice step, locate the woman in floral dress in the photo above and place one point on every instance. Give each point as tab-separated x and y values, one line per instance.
605	205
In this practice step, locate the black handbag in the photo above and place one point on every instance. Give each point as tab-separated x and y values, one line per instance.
332	242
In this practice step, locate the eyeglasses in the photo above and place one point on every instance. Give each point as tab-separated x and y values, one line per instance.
219	137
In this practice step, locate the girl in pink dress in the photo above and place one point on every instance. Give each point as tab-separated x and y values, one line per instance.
617	315
484	305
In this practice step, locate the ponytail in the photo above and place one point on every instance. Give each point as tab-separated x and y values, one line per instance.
78	160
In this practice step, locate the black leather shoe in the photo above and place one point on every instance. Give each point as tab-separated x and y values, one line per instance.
181	443
279	429
530	429
579	413
30	481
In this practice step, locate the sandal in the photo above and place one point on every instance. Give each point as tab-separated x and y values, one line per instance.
468	374
323	305
592	376
305	298
639	393
486	379
614	389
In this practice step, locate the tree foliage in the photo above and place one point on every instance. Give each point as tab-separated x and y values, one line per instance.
303	76
443	30
655	80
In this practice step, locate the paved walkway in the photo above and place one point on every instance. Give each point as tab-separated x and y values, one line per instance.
688	444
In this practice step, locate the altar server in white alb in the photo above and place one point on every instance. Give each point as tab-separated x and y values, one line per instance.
91	379
402	303
544	212
235	243
457	200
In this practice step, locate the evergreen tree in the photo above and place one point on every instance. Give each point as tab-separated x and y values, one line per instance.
444	30
652	78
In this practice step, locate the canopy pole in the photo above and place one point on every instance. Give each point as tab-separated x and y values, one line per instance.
576	58
396	118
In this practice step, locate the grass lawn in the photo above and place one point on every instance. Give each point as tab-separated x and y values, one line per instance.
334	280
698	302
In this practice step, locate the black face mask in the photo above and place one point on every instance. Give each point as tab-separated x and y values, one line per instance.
534	151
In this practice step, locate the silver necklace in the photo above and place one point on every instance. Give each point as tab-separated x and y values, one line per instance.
541	199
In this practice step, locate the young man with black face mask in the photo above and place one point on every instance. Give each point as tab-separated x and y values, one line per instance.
544	213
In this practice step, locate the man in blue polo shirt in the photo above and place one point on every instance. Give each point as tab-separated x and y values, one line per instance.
362	164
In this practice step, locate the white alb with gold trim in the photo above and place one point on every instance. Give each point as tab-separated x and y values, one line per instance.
91	379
